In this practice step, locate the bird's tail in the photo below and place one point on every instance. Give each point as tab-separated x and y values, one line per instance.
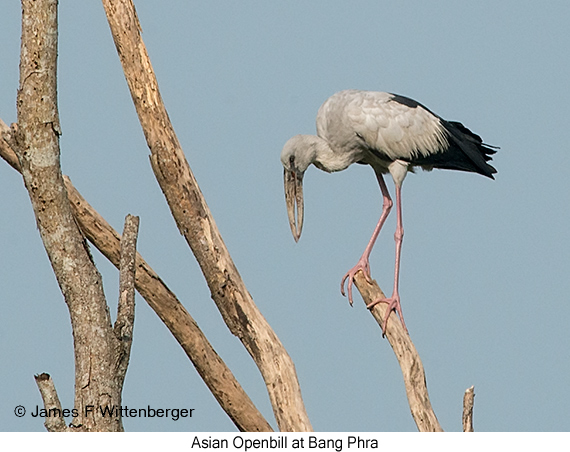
471	146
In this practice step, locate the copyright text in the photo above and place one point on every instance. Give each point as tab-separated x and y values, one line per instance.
109	411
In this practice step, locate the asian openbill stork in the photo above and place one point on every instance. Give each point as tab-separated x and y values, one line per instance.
391	133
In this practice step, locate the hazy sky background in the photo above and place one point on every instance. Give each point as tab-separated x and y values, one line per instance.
484	276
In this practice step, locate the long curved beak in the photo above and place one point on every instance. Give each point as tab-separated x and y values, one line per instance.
293	181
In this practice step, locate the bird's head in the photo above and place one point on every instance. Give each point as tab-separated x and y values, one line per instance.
296	157
297	154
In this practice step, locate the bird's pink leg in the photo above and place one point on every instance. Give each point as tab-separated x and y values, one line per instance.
394	300
364	262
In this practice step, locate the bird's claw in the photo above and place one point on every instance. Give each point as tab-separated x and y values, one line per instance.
362	265
393	305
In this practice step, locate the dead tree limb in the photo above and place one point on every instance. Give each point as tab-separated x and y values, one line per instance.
126	307
467	418
215	373
36	140
55	421
407	355
7	146
195	222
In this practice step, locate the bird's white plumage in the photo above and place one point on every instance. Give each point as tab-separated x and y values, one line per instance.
353	119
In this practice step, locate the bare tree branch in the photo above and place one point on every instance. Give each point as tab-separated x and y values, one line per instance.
126	307
196	223
37	147
467	418
6	144
55	421
405	351
215	373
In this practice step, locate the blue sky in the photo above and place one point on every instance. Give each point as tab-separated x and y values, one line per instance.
484	276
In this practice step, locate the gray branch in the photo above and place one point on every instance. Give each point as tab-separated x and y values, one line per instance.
54	421
126	307
36	143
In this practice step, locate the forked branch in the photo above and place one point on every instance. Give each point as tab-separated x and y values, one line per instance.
215	373
36	142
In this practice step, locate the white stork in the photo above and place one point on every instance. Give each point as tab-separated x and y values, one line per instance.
391	133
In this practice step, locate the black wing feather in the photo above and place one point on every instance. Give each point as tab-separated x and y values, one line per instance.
465	152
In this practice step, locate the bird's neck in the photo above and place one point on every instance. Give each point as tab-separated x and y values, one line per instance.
324	158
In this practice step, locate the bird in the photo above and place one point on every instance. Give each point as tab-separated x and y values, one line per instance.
393	134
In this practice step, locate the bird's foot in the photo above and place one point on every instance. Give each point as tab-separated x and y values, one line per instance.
393	305
364	265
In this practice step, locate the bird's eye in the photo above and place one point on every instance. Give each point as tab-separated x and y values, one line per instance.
292	160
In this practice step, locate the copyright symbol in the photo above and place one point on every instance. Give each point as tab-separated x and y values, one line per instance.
19	411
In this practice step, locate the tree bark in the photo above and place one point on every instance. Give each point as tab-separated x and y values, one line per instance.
467	418
407	355
124	323
55	423
37	146
195	222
